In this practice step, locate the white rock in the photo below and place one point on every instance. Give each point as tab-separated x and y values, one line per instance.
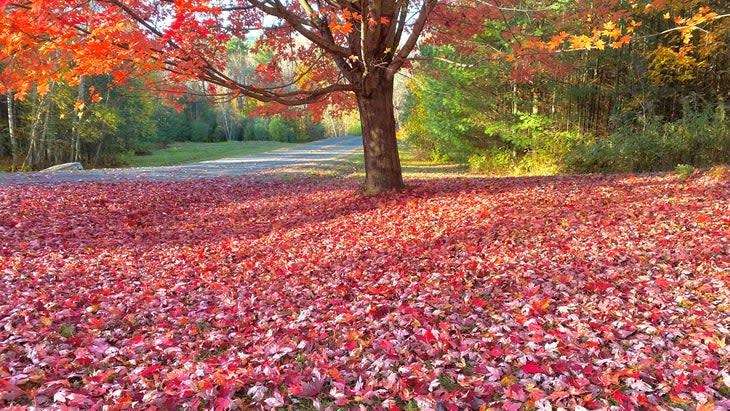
65	167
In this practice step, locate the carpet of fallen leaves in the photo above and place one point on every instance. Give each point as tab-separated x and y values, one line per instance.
527	293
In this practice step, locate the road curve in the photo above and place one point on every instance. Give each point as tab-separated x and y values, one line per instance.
308	156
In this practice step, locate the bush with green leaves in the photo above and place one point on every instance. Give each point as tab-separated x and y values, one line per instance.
498	162
309	130
282	130
199	130
355	129
698	139
683	171
171	125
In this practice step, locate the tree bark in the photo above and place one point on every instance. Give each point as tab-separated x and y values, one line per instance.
76	130
11	130
43	152
32	157
382	163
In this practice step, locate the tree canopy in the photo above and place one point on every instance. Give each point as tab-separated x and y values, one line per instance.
324	51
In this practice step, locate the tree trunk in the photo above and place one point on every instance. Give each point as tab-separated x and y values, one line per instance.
227	126
35	149
11	130
382	164
43	150
32	158
98	152
76	132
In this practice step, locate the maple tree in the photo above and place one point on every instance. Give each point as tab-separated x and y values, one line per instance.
336	46
322	49
483	294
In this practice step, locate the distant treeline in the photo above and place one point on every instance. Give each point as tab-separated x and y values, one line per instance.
55	128
100	123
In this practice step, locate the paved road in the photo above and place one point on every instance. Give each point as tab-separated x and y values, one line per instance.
314	155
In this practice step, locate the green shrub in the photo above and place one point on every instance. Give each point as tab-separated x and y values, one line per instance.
257	129
171	125
355	129
699	139
683	171
199	130
143	148
282	130
310	131
497	162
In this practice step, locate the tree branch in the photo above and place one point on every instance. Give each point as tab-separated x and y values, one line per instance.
402	54
299	25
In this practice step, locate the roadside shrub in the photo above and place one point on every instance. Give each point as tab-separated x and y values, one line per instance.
282	130
144	148
256	129
699	139
171	125
683	171
498	162
199	130
310	131
355	129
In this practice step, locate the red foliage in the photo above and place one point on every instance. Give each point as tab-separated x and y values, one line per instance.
457	294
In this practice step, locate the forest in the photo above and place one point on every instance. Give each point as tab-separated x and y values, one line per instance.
653	104
101	124
650	105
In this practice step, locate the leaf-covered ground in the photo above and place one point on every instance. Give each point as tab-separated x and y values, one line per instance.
525	293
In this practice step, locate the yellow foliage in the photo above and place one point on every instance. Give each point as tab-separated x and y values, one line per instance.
669	67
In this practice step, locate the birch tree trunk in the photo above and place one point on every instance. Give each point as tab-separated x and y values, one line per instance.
76	132
227	126
11	129
43	152
31	158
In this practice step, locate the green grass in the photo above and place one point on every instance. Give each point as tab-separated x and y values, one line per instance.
411	166
414	167
188	152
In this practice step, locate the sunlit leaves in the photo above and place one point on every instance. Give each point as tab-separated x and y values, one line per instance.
461	294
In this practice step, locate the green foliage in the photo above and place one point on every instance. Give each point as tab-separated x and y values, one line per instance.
355	129
199	130
116	123
137	130
494	162
641	108
446	126
683	171
698	139
256	129
412	405
67	330
171	125
447	118
282	130
188	152
311	131
99	122
448	383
